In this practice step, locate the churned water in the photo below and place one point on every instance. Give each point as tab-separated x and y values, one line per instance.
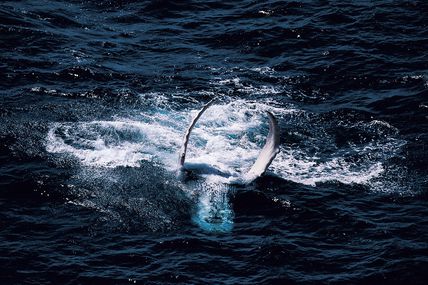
96	96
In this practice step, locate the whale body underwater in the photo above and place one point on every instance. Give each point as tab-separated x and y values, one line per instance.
214	212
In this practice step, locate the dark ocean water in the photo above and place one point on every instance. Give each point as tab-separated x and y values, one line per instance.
96	95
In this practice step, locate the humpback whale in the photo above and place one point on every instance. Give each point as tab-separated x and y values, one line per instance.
264	159
214	212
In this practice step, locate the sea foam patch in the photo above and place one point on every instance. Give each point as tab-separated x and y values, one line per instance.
112	143
228	137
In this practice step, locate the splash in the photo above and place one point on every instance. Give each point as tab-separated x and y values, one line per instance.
228	138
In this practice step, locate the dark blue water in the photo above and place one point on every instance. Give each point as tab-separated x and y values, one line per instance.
96	95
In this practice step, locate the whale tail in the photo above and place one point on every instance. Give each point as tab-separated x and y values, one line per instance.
265	158
182	155
267	154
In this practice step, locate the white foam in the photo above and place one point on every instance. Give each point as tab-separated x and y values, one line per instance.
263	70
308	170
249	88
228	137
99	143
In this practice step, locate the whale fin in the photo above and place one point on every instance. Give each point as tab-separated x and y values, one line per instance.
182	155
268	153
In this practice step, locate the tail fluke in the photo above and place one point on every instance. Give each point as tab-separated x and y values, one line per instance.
265	158
268	153
182	156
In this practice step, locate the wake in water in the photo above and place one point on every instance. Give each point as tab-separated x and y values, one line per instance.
229	138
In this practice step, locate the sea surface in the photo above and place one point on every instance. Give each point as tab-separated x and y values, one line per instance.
95	97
